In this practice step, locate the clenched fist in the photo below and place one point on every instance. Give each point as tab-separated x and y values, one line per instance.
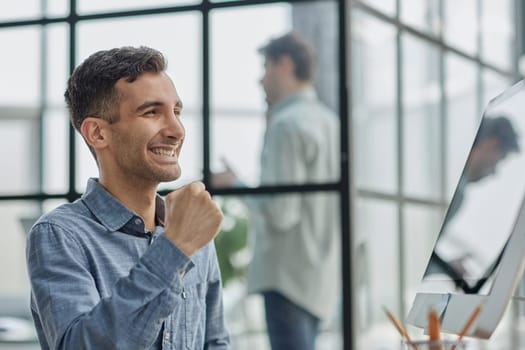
192	218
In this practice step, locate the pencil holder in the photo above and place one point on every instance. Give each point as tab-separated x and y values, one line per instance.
433	345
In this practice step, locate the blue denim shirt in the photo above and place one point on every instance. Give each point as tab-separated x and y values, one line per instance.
100	280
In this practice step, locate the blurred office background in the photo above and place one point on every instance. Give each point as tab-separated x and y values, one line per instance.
409	79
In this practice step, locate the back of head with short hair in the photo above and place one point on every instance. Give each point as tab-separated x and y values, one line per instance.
501	128
91	88
300	51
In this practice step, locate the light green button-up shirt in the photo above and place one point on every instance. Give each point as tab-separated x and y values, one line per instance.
297	238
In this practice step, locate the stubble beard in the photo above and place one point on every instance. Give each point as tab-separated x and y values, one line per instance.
130	159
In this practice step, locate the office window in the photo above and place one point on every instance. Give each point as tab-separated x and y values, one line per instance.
377	274
20	83
238	112
421	118
94	6
498	32
386	6
30	9
55	119
422	225
423	15
462	115
461	25
374	103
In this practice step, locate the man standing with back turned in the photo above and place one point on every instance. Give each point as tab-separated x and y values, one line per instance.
296	260
121	268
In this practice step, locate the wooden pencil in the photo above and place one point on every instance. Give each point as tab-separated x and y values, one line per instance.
468	324
434	329
399	326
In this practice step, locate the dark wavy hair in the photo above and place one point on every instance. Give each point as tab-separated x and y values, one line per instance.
91	88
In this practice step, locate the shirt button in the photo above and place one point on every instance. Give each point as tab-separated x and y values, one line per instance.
138	221
167	336
182	273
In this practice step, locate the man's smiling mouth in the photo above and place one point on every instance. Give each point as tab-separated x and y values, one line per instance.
169	152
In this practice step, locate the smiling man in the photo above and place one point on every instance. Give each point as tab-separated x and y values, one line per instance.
122	268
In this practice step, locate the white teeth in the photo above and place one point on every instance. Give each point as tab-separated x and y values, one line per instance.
164	152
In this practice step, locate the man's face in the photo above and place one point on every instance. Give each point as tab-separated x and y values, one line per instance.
147	139
270	80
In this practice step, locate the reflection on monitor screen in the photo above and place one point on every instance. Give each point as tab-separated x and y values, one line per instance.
478	255
480	217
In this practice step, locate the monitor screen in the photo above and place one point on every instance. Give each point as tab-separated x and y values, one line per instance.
478	254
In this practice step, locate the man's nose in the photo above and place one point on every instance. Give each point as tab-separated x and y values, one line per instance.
174	127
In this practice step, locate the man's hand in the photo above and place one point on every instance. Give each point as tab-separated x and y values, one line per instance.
224	178
192	218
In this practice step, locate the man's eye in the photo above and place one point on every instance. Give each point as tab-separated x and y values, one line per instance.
150	112
177	112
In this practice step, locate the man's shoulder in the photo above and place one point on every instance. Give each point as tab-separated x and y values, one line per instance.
302	108
65	215
303	116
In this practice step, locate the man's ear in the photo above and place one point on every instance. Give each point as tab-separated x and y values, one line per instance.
96	132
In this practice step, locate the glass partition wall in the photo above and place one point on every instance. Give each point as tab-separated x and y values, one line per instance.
212	48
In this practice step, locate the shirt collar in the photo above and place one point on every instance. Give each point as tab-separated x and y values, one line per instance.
307	93
110	211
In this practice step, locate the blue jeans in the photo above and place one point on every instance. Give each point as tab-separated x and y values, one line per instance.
290	327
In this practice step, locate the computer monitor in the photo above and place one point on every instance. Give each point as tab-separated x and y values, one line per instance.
479	254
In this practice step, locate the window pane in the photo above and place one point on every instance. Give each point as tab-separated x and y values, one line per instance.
497	32
17	10
461	24
57	64
422	225
182	48
55	152
386	6
462	114
29	9
421	125
55	116
24	67
241	72
237	98
421	14
57	8
91	6
374	103
377	273
19	164
19	110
